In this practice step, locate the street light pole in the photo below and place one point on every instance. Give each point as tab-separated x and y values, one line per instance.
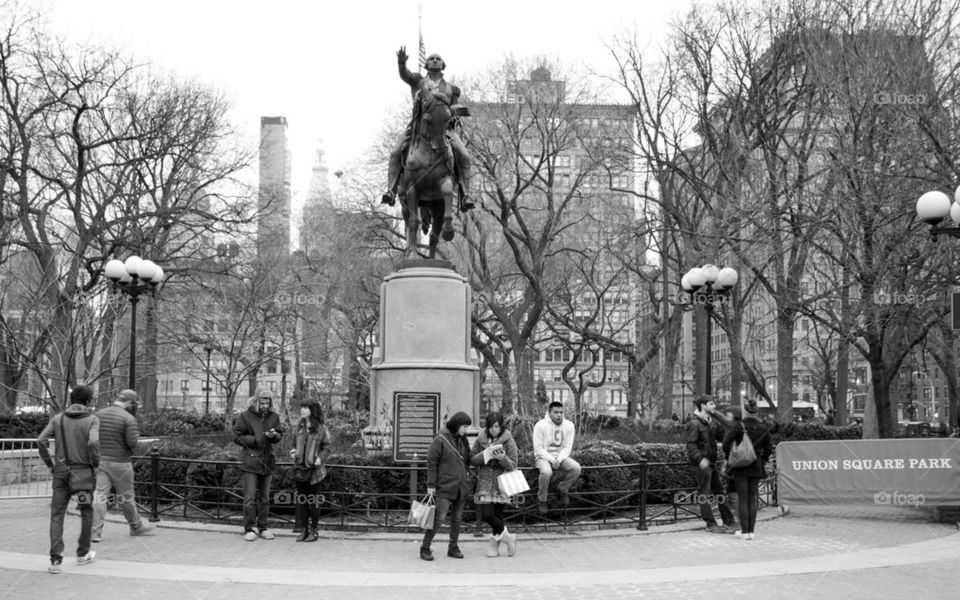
706	286
206	405
132	278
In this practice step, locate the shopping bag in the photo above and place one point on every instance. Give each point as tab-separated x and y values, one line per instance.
422	513
742	454
512	483
301	473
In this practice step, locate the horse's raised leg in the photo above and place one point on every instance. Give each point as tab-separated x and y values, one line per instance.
446	188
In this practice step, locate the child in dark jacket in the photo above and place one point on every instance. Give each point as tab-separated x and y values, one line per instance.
448	478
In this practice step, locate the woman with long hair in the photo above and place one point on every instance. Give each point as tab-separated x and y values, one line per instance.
310	451
502	458
746	479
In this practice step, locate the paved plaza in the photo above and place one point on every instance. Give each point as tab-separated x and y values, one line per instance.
862	552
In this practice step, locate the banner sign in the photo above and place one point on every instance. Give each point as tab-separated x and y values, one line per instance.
912	471
415	421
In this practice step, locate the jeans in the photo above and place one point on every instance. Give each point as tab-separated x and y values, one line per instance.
708	483
748	492
571	472
443	506
119	476
492	515
256	500
58	509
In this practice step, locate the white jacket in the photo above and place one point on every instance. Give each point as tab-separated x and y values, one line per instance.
552	441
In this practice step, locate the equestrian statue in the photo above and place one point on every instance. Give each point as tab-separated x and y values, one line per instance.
429	157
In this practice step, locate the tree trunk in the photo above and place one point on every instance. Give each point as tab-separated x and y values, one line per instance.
785	324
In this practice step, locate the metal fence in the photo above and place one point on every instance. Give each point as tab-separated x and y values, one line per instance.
22	473
636	505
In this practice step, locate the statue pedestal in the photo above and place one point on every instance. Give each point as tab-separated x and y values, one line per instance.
424	351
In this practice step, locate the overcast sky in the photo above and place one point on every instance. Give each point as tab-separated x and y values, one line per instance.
321	64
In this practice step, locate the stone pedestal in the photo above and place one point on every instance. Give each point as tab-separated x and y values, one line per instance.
424	345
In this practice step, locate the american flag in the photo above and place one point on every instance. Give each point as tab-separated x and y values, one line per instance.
423	49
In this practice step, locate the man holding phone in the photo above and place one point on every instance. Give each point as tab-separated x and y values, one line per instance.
256	430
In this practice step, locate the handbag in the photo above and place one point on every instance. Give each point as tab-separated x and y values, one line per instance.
512	483
422	513
301	473
742	454
82	477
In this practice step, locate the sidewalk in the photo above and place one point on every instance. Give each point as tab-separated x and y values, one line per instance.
880	549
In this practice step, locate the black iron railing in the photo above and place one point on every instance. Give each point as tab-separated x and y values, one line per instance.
635	505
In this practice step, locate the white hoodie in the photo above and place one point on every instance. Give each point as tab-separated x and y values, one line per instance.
551	441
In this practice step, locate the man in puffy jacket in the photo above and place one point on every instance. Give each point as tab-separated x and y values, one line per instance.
702	450
256	430
119	435
552	445
77	435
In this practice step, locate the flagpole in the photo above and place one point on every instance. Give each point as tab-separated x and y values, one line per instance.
422	54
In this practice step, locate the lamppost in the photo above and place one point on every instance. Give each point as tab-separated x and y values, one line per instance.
932	208
706	286
132	278
208	348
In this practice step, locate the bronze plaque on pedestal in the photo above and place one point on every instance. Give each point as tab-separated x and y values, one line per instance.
415	424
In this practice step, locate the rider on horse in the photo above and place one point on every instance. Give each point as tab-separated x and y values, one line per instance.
419	86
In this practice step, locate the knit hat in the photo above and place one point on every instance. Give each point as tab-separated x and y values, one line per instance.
458	420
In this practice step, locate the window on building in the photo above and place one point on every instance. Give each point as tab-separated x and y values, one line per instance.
184	384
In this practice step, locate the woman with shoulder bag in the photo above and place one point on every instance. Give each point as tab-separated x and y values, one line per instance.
488	498
311	449
746	478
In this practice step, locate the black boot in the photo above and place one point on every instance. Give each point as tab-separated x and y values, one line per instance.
304	534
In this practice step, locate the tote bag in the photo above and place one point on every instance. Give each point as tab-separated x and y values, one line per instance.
422	513
742	454
512	483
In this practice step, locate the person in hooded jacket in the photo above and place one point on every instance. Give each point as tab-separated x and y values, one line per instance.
448	479
552	445
80	432
311	449
488	497
747	479
256	430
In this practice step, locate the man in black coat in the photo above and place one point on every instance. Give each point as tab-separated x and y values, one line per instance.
256	430
702	451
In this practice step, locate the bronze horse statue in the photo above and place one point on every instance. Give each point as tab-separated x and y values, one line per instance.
426	186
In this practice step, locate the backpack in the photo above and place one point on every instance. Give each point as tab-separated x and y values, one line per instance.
742	454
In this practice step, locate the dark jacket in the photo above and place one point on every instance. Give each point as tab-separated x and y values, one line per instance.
256	454
118	434
308	447
81	432
701	441
760	436
447	462
487	489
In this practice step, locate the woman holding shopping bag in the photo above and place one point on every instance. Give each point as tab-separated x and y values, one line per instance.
311	449
448	478
495	452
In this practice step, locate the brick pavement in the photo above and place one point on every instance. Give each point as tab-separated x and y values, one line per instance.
828	549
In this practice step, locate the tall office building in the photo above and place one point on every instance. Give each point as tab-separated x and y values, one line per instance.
273	198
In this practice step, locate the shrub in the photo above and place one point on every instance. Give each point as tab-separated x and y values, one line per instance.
27	425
